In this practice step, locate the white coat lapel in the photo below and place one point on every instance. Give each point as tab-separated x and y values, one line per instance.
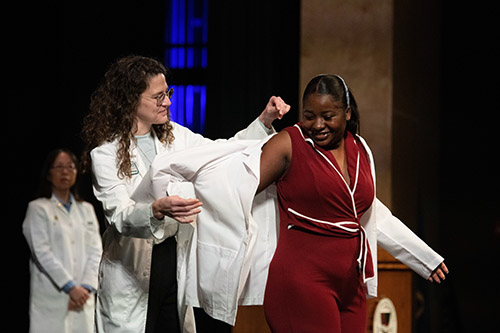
254	149
60	208
160	147
136	163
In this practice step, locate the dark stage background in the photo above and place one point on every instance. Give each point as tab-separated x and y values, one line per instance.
56	59
62	54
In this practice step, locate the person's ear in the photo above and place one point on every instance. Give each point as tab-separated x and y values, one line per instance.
348	113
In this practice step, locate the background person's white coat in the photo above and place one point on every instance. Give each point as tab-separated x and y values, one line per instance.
65	246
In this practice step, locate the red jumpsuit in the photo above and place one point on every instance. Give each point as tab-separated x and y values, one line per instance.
315	281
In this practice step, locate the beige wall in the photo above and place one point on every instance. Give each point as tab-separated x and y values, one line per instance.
389	54
354	38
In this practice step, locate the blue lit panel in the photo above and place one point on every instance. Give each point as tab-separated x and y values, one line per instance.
186	40
186	57
186	34
189	106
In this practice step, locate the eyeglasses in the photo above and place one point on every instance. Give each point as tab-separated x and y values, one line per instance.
60	168
161	97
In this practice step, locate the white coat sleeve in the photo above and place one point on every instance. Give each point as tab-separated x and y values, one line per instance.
400	241
255	131
93	247
36	231
130	218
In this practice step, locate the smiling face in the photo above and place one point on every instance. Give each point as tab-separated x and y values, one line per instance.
324	119
148	112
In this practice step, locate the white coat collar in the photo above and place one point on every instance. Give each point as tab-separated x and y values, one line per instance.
55	199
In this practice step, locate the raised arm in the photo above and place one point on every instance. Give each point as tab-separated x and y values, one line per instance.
275	159
276	108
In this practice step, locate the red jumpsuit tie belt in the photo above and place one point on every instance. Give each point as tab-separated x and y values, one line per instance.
364	260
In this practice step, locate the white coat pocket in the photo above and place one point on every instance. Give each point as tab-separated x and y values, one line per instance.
218	276
118	291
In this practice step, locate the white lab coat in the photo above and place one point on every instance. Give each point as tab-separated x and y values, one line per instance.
234	237
128	241
216	265
64	246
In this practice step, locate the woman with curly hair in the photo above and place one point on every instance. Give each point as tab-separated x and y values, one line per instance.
127	126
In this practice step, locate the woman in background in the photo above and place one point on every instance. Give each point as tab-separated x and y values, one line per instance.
62	232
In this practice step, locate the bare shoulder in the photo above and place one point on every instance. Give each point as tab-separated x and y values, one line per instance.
275	159
280	144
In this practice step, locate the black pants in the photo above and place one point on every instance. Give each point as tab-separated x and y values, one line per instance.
207	324
162	304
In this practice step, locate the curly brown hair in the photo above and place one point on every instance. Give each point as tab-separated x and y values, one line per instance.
113	108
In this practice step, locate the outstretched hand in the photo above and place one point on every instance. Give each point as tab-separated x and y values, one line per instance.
180	209
276	108
438	274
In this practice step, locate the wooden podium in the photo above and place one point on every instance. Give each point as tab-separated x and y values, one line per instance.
395	283
251	319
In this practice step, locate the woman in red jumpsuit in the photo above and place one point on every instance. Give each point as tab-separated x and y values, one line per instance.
324	184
